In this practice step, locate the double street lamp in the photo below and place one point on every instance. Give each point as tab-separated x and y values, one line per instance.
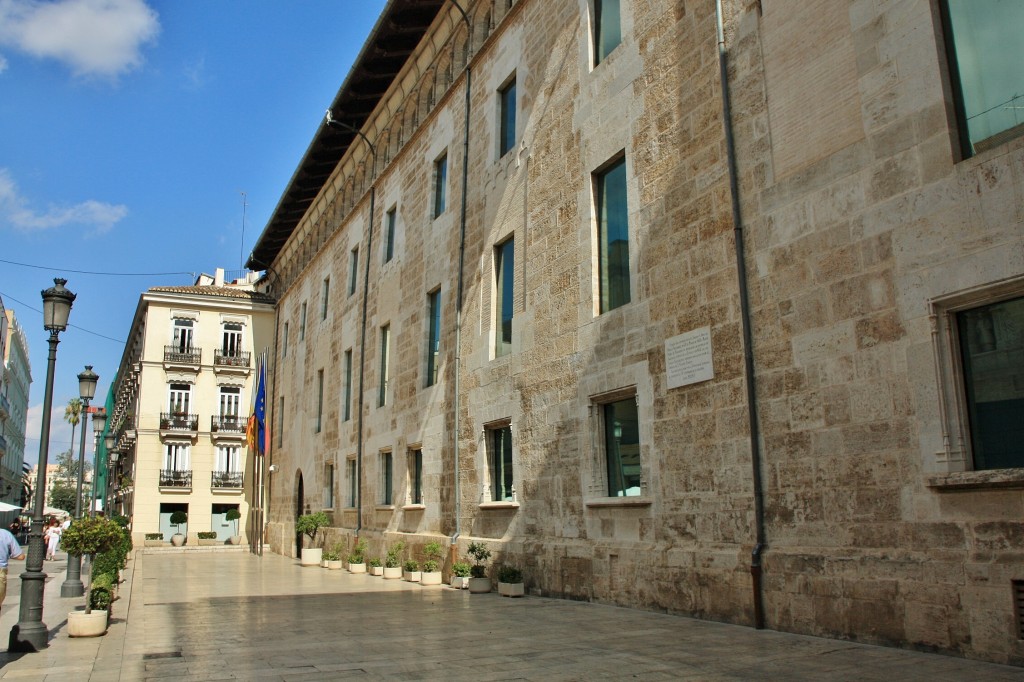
72	586
30	633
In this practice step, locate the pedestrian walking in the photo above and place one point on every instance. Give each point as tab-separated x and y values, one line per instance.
9	549
52	537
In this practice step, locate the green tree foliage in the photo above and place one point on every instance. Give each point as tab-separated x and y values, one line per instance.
88	537
310	524
62	496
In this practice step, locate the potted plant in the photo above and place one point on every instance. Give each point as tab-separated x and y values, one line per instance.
393	561
357	559
460	575
479	583
332	559
310	525
177	518
376	567
510	582
411	571
431	574
233	515
155	540
207	537
86	538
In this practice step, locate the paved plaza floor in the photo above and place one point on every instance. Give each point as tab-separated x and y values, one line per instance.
231	615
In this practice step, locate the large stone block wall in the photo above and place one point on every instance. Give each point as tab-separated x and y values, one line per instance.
857	214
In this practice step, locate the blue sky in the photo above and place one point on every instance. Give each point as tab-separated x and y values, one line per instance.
129	130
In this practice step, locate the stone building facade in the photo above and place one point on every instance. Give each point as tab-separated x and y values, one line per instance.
551	346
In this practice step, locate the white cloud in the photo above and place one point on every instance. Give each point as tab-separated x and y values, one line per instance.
3	64
14	209
93	37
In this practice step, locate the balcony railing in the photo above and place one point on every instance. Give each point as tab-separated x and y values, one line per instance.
226	479
183	356
227	423
238	358
179	421
175	478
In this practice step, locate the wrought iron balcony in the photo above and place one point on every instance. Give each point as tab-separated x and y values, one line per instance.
238	358
179	421
227	423
175	478
226	479
189	355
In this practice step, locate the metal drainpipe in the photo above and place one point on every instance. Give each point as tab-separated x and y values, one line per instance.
329	120
748	342
462	255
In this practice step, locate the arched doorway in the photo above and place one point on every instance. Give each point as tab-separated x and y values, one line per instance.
300	503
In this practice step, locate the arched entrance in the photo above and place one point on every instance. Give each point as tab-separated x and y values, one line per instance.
300	503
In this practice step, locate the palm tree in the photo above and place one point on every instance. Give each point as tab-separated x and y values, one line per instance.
73	415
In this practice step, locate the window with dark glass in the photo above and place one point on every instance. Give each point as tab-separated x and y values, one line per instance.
389	234
607	28
613	236
328	486
319	399
284	341
507	116
433	337
280	422
325	297
302	322
440	184
347	398
504	268
992	355
231	339
501	463
416	476
353	270
622	447
386	478
986	70
385	350
350	475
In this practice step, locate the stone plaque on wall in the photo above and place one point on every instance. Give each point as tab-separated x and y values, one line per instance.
688	358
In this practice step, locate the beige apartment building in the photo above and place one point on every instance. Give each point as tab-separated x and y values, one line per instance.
180	403
15	380
740	340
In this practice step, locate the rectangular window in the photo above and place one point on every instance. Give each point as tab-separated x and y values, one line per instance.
504	268
986	72
385	342
622	447
347	398
433	336
328	486
325	297
228	461
280	422
319	399
176	457
302	322
389	234
612	236
991	341
228	409
231	340
500	441
350	477
183	335
507	117
353	270
416	476
179	399
607	28
440	184
284	341
386	479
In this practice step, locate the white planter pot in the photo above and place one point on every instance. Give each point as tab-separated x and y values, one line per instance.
511	589
82	624
411	576
208	542
334	565
479	585
430	578
156	543
235	540
357	568
311	556
392	573
460	583
177	539
377	570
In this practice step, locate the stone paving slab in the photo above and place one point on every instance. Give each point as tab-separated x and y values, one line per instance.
234	616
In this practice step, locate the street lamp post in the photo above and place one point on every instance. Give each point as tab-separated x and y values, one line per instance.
30	632
98	421
72	585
